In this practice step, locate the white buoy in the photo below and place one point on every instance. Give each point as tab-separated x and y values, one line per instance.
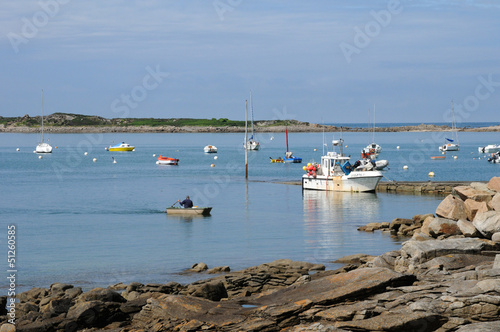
405	167
40	157
216	157
213	165
272	137
154	154
94	160
85	153
442	152
455	157
315	150
397	147
431	174
114	160
346	146
18	149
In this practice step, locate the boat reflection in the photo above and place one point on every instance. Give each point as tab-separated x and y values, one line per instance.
331	220
189	218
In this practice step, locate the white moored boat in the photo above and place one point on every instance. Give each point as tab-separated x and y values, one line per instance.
451	144
335	173
210	149
490	148
43	147
251	144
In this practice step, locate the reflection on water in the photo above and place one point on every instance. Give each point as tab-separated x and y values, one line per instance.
189	218
331	219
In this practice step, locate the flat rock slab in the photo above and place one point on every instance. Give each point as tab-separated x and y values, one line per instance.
359	283
481	327
402	321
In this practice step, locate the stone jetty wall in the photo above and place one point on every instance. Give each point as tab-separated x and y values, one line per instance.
445	278
428	188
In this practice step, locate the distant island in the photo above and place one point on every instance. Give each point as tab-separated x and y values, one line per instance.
78	123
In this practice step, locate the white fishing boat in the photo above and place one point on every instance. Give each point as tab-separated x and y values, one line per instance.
335	173
210	149
490	148
251	143
43	147
451	144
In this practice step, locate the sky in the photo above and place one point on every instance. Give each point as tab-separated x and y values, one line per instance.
318	61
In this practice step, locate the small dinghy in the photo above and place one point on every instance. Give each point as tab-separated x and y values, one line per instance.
178	211
167	161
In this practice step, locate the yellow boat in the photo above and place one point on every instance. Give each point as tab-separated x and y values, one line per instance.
121	147
277	160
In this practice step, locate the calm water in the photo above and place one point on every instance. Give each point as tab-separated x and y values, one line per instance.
98	223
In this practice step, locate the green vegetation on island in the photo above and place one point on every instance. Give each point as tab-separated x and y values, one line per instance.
78	120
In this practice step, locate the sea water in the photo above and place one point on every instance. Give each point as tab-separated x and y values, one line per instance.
96	223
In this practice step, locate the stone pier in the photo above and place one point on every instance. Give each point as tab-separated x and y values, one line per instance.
420	187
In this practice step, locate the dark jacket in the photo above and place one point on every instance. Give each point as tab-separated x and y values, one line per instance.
187	203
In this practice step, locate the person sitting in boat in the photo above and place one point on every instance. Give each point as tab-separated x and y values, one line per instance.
187	203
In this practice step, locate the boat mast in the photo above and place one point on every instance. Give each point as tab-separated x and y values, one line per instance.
246	142
286	132
251	114
42	115
454	124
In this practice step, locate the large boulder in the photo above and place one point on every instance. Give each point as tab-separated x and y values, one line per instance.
451	207
487	223
443	227
214	291
494	204
101	294
494	184
472	207
466	192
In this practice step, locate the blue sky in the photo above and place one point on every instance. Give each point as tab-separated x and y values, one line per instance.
318	61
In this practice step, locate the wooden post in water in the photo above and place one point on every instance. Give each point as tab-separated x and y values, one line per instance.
246	138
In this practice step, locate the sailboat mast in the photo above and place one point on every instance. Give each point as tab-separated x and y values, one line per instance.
246	142
42	115
454	124
251	114
286	132
373	132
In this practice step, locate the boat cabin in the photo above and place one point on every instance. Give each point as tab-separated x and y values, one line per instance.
335	164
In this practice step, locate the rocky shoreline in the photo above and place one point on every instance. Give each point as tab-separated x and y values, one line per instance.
446	277
229	129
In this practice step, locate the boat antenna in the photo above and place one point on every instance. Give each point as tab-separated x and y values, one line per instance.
323	137
341	141
373	132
